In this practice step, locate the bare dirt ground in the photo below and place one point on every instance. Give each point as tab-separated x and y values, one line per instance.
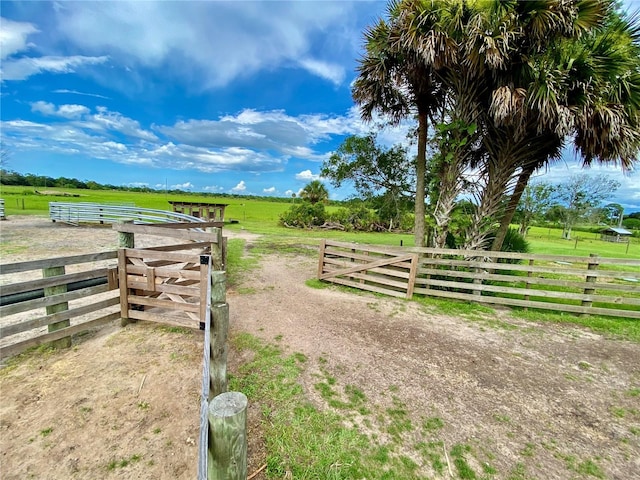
533	400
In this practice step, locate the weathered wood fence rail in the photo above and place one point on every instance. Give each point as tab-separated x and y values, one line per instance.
141	286
84	212
584	285
49	301
2	215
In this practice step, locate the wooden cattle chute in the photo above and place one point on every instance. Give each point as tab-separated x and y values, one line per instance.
583	285
30	305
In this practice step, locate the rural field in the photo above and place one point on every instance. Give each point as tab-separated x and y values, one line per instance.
341	384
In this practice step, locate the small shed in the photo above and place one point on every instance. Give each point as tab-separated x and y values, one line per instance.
615	234
209	212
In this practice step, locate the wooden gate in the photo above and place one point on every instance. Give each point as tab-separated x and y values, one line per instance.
170	278
157	280
374	269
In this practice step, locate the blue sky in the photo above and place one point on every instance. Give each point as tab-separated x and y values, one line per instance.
234	97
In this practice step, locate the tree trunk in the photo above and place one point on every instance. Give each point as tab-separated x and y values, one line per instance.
499	171
523	180
421	168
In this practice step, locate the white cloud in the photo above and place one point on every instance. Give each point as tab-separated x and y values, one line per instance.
183	186
13	37
65	111
46	108
307	176
271	130
332	72
75	92
213	188
269	190
138	184
72	111
240	187
215	42
22	68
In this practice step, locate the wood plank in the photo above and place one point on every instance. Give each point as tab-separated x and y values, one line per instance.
167	232
517	278
38	284
400	271
205	266
12	309
16	348
580	296
165	319
531	304
159	255
167	288
56	262
370	288
122	280
381	276
8	330
534	269
349	261
182	246
178	225
364	257
167	304
369	266
321	257
164	272
412	275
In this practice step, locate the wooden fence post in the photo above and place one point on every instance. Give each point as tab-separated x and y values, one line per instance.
217	250
59	307
527	284
592	265
125	240
227	452
219	332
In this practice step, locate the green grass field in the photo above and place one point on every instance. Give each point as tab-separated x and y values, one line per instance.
261	216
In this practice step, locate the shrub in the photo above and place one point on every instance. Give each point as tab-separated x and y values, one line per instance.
304	215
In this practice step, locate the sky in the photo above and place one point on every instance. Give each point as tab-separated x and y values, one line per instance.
239	97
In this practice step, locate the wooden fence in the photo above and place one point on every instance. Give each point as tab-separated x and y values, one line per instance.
583	285
141	286
66	303
2	214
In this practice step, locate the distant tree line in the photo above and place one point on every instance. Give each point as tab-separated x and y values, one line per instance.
9	177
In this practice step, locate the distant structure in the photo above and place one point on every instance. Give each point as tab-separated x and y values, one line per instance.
209	212
615	234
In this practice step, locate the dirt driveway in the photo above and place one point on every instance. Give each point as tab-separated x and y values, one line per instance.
535	400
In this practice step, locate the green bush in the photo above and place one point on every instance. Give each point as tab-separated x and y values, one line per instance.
356	217
304	215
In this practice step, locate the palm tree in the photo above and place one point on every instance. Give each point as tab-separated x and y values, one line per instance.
397	79
590	85
315	192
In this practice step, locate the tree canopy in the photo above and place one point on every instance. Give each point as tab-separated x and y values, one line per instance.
513	82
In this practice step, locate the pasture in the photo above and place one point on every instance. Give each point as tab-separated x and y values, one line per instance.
261	216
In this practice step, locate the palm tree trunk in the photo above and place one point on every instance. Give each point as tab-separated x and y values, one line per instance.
523	180
499	172
421	169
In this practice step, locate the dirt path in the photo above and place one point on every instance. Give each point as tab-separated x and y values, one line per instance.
560	401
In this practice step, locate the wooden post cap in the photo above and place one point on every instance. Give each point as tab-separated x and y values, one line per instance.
228	404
